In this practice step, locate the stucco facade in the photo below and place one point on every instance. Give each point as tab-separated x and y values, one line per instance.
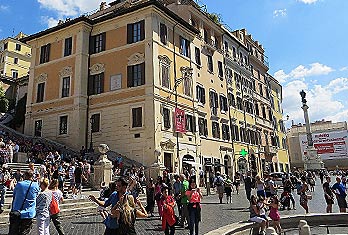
131	65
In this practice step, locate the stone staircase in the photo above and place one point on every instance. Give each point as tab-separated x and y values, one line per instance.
81	206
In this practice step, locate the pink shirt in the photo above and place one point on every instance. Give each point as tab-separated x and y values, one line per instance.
195	197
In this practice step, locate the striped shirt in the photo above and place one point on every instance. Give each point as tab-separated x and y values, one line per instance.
43	202
57	194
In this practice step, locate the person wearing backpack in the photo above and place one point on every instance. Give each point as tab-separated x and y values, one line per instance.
219	183
126	213
58	197
43	202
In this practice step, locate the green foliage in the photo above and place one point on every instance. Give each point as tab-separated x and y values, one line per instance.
4	103
216	18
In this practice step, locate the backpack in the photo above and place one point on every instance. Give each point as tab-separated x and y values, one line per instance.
54	208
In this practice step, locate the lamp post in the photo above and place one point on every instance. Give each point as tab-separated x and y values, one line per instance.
91	150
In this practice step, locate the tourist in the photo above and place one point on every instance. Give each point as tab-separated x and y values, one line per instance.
111	224
184	201
328	195
126	213
43	202
168	216
24	201
248	185
150	197
228	189
311	180
274	213
58	196
303	194
201	178
255	214
158	195
287	185
177	191
219	183
71	172
4	177
194	195
340	192
78	175
236	182
260	187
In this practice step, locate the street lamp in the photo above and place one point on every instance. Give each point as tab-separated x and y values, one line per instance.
91	150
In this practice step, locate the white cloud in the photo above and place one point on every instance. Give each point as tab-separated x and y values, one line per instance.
279	13
301	71
344	69
4	8
321	99
65	8
308	1
50	21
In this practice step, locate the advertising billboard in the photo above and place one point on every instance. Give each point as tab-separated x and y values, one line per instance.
330	145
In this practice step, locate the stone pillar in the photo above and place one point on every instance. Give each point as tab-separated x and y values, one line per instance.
304	228
102	168
312	159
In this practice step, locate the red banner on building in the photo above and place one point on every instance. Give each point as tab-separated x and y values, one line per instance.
180	121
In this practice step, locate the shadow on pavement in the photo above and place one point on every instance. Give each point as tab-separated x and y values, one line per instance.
236	209
87	222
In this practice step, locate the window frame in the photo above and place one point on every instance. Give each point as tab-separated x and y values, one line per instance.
96	84
163	33
68	46
45	53
40	95
36	130
63	130
95	127
131	72
184	46
138	28
136	122
97	43
65	91
166	113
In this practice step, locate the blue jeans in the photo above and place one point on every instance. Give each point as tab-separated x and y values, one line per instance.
3	190
194	220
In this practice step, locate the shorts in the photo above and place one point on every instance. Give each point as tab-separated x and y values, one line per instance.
342	203
220	189
261	193
329	201
257	219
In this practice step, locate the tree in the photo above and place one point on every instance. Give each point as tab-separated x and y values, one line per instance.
4	103
216	18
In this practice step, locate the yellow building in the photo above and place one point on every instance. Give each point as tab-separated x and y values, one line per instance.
280	160
149	79
15	59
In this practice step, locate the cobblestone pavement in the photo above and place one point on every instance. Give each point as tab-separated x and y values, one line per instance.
214	216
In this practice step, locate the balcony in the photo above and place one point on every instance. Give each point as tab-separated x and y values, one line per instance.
210	45
233	60
263	122
271	150
261	59
261	98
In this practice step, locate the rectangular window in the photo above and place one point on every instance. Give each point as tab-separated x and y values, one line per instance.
96	84
163	33
216	130
213	102
137	117
225	132
65	87
95	122
231	100
210	63
68	46
223	103
15	60
38	128
45	53
203	127
136	75
226	47
63	125
235	132
184	47
40	92
190	123
18	47
187	86
5	46
198	56
257	111
239	103
166	118
165	75
200	94
14	73
97	43
221	72
136	32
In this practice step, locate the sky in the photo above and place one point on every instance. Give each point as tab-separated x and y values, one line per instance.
305	42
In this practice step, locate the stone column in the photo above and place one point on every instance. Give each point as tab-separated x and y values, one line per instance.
102	168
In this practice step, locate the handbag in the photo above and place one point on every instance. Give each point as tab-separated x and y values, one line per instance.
54	208
15	216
